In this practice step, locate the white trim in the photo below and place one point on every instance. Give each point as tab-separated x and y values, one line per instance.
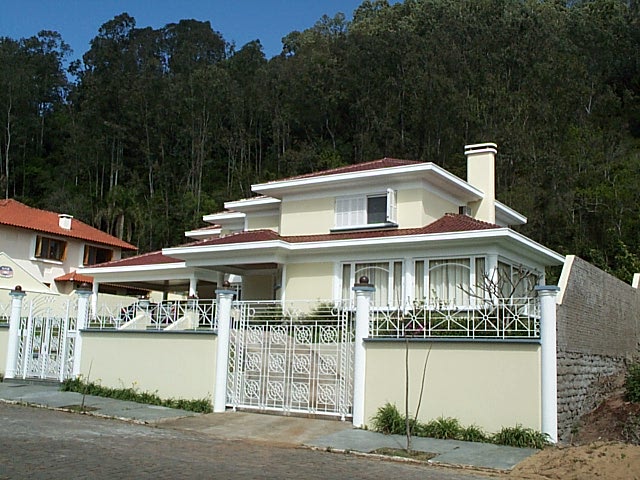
436	175
508	215
203	233
131	268
252	203
564	277
223	216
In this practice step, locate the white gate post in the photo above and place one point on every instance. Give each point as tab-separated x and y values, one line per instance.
548	360
364	291
81	323
224	298
17	295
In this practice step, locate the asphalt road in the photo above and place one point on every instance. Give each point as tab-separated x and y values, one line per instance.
38	443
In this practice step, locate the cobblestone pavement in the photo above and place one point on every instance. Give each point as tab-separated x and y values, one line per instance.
38	443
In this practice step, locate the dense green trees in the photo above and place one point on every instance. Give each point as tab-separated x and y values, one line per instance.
162	126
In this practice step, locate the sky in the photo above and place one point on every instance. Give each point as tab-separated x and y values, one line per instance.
238	21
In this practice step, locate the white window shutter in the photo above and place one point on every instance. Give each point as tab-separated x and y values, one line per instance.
392	208
351	211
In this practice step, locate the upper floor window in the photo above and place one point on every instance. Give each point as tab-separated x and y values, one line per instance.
94	255
50	248
366	210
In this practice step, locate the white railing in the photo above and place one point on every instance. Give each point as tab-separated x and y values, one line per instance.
5	313
502	318
192	314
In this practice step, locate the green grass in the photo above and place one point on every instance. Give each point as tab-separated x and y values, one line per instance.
132	394
632	383
389	420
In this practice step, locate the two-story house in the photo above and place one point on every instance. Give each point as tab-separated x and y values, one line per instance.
418	232
51	247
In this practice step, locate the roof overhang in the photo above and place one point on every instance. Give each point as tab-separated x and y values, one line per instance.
508	216
281	251
429	172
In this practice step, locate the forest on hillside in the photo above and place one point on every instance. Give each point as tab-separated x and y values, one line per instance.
153	128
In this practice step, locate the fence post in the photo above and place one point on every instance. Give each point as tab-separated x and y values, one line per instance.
81	323
364	291
548	361
224	298
17	295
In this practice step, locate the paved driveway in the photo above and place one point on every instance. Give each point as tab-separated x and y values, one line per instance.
38	443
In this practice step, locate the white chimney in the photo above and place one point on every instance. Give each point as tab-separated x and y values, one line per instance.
481	173
64	221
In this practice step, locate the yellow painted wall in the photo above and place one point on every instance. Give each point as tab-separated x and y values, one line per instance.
175	365
309	281
307	217
4	342
257	287
267	222
490	385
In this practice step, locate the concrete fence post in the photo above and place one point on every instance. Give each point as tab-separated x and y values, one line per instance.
363	291
224	298
17	295
84	295
549	361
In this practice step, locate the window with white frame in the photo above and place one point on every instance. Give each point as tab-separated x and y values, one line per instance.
449	281
385	276
516	281
366	210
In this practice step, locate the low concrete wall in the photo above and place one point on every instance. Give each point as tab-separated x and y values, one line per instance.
171	364
489	384
4	340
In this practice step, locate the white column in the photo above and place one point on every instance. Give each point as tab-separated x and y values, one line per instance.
224	299
549	359
193	287
94	298
17	295
364	291
84	295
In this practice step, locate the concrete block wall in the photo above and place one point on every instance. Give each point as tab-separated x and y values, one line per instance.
598	332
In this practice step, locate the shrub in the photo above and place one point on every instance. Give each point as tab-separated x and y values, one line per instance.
202	405
520	436
473	433
632	383
388	420
446	428
631	430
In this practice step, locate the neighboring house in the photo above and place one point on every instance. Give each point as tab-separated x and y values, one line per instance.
418	232
51	246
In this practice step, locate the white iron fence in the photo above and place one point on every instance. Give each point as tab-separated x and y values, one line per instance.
502	318
192	314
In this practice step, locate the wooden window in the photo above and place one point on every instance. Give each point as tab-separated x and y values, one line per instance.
94	255
50	248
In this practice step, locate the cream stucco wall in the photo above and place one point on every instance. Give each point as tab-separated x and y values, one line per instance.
309	281
488	384
174	365
4	342
418	207
307	217
263	222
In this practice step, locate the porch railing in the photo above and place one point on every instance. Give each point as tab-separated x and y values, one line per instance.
501	318
192	314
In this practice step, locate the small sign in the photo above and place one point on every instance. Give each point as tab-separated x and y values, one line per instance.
6	272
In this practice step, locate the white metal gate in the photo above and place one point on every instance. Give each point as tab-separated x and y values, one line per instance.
46	340
291	358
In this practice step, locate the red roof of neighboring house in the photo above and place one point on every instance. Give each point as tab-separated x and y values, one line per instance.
356	167
19	215
74	277
151	258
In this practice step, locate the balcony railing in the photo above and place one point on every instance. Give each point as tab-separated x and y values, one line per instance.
192	314
500	318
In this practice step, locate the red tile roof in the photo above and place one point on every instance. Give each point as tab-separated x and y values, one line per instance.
151	258
447	224
74	277
356	167
19	215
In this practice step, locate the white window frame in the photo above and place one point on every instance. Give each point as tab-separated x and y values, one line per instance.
351	211
426	282
393	278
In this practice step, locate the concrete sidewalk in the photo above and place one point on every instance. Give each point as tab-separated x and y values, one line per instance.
275	429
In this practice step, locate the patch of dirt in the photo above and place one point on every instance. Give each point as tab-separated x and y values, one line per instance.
600	446
401	452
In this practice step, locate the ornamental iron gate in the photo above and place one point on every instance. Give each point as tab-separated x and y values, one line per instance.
46	340
292	358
